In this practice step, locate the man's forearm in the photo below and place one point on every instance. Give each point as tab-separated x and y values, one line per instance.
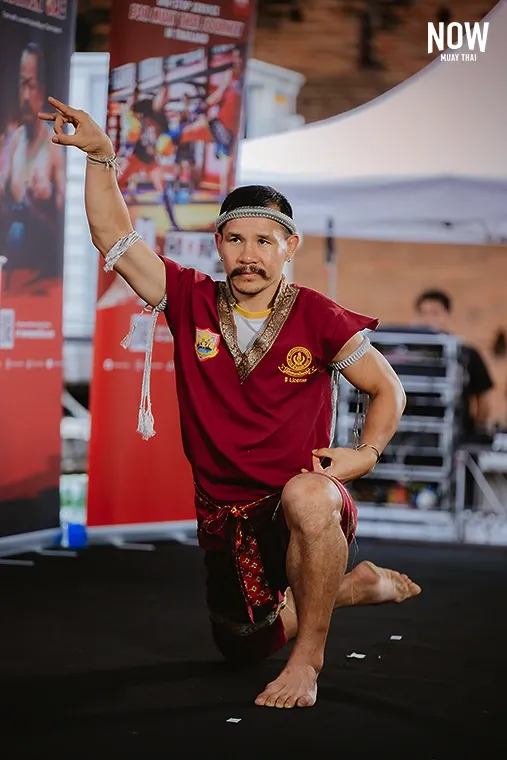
107	213
109	220
383	415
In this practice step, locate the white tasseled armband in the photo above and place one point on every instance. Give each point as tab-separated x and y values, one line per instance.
146	422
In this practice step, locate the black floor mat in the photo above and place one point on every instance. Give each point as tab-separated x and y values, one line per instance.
111	651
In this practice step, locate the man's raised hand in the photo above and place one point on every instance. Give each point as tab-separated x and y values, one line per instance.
87	136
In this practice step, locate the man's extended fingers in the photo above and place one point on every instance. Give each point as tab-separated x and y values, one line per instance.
47	116
59	122
317	467
323	453
63	139
63	108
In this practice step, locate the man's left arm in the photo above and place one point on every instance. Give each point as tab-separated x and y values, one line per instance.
373	375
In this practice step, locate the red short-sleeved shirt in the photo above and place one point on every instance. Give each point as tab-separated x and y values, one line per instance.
249	422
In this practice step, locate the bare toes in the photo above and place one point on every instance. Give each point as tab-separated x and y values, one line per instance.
268	692
296	686
261	699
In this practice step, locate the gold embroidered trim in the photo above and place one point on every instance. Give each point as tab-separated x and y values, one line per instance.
225	307
245	363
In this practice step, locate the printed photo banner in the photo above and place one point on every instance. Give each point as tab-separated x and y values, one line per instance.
176	94
36	43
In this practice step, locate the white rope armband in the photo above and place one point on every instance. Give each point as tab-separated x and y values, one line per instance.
119	248
110	162
354	357
146	421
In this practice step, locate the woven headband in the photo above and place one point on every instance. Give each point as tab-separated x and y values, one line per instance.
258	211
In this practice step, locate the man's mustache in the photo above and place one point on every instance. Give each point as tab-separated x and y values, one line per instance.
249	270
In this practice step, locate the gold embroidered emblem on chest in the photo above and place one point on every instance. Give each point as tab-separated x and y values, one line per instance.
298	366
206	344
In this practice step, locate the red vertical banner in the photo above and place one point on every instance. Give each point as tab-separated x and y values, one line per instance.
36	43
176	93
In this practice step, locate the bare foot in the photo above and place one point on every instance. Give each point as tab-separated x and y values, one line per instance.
369	584
296	686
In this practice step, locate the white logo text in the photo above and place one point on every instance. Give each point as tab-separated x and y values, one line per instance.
455	34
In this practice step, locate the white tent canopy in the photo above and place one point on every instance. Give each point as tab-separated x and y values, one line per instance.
427	161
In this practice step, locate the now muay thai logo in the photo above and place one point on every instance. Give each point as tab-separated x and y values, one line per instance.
457	36
299	364
206	344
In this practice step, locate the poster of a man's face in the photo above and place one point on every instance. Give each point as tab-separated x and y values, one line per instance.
32	179
31	86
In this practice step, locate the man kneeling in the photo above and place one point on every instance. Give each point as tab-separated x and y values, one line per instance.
256	361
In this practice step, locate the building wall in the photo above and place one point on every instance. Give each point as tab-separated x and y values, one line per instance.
383	280
325	48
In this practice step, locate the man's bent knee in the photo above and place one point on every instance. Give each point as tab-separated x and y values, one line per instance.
311	503
244	651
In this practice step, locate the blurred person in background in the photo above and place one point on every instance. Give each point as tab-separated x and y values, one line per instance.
433	309
147	113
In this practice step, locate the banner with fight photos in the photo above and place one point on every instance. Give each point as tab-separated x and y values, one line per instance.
176	94
36	44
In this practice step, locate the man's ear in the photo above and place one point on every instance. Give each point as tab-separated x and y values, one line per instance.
292	245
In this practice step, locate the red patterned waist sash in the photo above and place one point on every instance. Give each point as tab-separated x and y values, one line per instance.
217	520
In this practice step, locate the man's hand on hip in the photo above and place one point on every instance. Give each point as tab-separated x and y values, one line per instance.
346	464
